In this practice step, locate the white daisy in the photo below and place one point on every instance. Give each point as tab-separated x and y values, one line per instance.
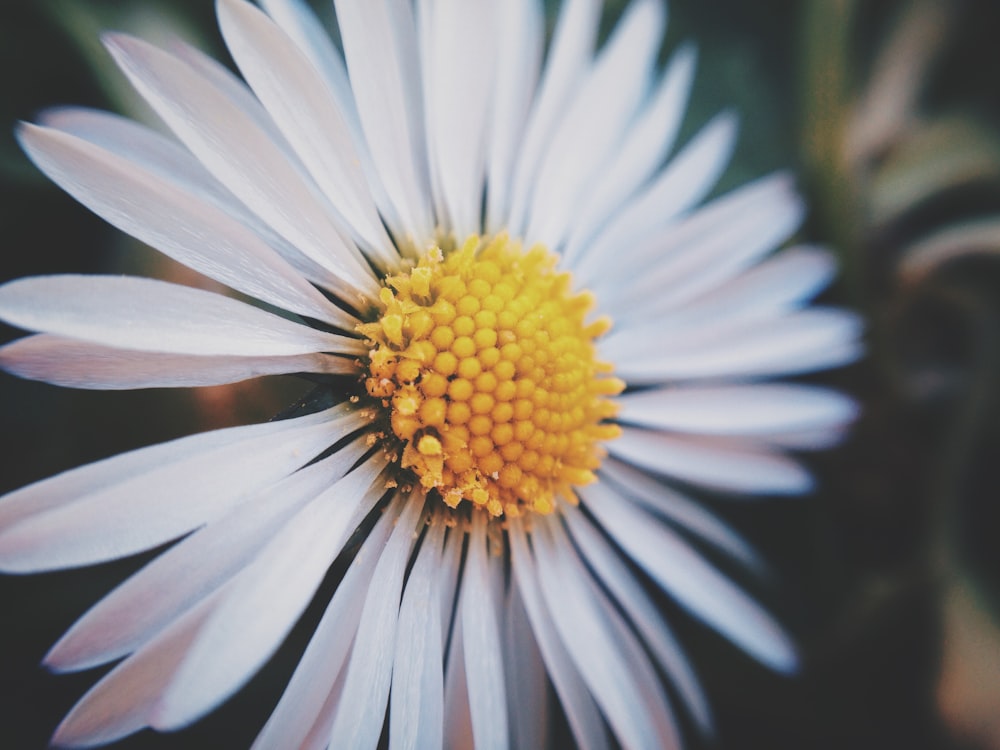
496	447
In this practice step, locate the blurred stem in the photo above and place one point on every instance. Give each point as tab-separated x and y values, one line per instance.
826	100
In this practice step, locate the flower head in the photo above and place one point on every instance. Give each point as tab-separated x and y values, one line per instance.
529	338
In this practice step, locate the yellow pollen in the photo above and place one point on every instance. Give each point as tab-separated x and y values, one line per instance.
485	363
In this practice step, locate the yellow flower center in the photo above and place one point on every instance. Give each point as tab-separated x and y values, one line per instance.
486	366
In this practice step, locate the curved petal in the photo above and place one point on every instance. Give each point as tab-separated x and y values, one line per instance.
683	182
483	655
745	410
568	59
636	603
79	364
146	315
243	157
379	40
298	99
592	124
361	710
641	152
521	31
138	500
195	567
416	711
728	465
304	714
264	602
578	704
683	573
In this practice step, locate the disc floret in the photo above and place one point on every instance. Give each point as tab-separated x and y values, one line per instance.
486	367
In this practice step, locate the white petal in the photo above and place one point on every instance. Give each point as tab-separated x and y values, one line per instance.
680	510
641	610
687	577
707	250
175	221
154	316
242	156
804	341
782	283
300	103
727	465
380	46
592	641
195	567
568	59
264	602
78	364
361	712
169	161
641	152
304	714
591	127
527	685
457	713
121	703
581	711
684	182
521	29
484	665
133	502
459	57
747	410
416	711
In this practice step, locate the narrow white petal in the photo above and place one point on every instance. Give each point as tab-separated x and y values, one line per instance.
457	712
686	180
78	364
581	711
747	410
690	515
147	315
304	714
379	40
804	341
301	104
242	156
641	610
122	701
180	223
591	127
568	59
682	572
459	69
690	264
727	465
484	663
584	626
66	487
76	522
299	21
521	34
416	711
195	567
171	162
527	684
642	151
782	283
264	602
361	712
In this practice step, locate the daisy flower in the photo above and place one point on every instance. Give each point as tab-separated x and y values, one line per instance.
531	339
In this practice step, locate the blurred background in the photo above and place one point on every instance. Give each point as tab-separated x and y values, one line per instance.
889	112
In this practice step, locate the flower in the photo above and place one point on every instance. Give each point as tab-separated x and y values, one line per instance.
488	444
